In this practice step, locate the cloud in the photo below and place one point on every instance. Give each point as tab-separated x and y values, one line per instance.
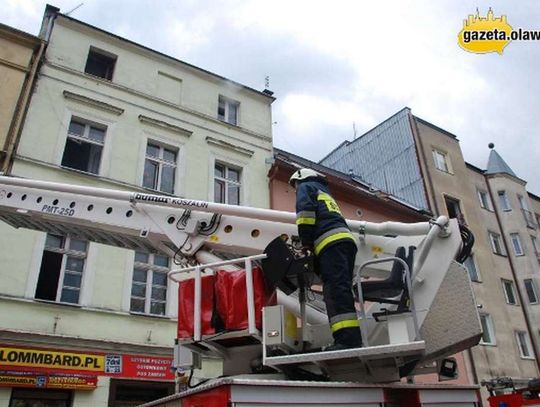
334	63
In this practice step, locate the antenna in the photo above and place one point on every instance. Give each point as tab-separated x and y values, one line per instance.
267	82
354	130
72	10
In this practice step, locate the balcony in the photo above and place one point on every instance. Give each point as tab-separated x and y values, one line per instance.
529	218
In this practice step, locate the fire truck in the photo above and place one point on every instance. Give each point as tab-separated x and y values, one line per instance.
249	298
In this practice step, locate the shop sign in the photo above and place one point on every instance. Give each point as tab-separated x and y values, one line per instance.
47	380
101	364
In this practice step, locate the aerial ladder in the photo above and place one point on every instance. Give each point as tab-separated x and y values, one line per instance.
415	302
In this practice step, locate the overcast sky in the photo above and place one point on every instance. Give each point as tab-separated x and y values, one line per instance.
335	63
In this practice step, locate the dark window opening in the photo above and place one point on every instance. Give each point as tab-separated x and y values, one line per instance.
84	145
454	209
40	398
82	156
100	64
124	393
49	274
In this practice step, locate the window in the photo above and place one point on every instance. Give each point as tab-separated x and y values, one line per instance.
41	397
228	110
227	184
159	168
534	241
84	146
522	202
454	209
524	344
470	265
503	201
509	293
441	161
100	63
149	289
537	219
62	265
135	392
488	334
485	202
496	244
530	288
516	244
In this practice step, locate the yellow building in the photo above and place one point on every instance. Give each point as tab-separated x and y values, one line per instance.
20	54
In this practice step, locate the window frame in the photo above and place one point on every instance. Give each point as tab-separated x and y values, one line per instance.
496	237
508	285
161	162
436	153
487	204
66	252
532	286
85	139
472	258
150	268
227	103
526	341
504	201
102	53
514	238
490	330
228	181
535	244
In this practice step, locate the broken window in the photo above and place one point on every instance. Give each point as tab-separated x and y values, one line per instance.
62	266
100	63
228	110
149	287
454	209
159	168
84	145
227	184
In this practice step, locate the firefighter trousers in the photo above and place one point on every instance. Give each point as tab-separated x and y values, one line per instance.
335	264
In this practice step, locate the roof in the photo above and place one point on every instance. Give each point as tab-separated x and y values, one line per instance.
437	128
265	93
346	142
496	165
19	35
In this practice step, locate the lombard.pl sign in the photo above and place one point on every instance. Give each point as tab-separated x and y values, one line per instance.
51	368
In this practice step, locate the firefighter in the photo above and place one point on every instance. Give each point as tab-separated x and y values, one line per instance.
323	231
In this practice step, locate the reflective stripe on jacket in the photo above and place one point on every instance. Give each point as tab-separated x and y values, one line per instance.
318	216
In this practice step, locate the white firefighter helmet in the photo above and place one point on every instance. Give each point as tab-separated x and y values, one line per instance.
302	174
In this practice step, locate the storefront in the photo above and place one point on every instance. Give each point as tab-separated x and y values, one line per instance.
44	377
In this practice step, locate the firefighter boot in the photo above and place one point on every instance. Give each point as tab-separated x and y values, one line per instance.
346	338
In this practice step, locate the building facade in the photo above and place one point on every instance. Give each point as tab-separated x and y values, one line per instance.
20	54
89	324
503	280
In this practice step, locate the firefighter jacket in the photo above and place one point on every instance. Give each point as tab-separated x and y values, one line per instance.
319	220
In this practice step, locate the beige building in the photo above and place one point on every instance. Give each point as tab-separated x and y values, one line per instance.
85	324
423	164
20	55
